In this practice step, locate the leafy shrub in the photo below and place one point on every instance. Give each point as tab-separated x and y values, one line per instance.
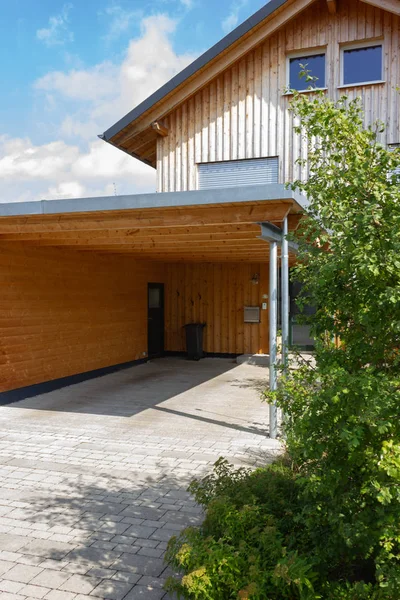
342	417
329	528
244	545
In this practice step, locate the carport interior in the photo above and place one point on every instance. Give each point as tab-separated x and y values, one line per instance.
75	284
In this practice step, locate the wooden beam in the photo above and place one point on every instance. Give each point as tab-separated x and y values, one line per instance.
331	6
159	128
148	218
293	221
201	78
392	6
136	234
157	241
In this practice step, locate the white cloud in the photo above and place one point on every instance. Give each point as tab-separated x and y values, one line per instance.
78	104
57	33
232	20
91	84
187	3
120	20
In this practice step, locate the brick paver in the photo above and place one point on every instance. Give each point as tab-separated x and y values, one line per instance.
93	477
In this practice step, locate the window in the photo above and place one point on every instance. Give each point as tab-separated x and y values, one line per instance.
362	64
314	63
232	173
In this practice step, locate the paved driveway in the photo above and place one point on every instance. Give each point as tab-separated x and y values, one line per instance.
93	476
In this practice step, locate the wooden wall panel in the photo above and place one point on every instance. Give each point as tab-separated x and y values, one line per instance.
64	312
216	294
243	113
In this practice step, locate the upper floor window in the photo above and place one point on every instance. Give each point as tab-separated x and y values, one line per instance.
314	64
362	63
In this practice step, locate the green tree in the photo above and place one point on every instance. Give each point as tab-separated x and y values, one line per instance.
324	523
342	414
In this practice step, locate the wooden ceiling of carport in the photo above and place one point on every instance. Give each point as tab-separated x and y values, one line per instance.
210	233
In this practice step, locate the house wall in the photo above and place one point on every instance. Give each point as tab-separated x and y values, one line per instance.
216	294
244	113
64	312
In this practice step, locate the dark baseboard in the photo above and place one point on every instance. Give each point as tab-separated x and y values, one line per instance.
49	386
221	355
206	355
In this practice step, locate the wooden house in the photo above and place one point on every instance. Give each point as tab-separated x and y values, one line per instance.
92	283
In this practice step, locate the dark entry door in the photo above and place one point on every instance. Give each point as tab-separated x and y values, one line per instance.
155	319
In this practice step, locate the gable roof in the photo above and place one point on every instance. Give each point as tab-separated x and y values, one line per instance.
135	134
195	66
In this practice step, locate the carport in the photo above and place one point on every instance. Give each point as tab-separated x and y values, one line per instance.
76	274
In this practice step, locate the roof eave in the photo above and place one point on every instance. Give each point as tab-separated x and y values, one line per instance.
193	68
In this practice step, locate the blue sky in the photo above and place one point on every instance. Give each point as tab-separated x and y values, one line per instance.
71	69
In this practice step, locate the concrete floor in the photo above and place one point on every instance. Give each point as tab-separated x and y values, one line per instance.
94	476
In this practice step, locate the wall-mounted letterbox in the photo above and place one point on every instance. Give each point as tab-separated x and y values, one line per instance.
251	314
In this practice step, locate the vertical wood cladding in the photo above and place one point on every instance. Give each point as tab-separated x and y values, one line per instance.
216	294
64	312
243	113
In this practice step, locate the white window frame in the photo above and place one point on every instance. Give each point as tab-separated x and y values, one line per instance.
355	46
304	54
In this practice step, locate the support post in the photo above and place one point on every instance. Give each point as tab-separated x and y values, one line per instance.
273	319
285	295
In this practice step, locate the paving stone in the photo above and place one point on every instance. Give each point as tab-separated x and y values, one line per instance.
50	578
5	566
126	576
22	573
113	590
80	584
80	568
152	552
122	548
13	587
152	581
11	542
60	595
140	564
162	535
139	531
34	591
93	555
143	512
99	572
54	550
145	593
98	486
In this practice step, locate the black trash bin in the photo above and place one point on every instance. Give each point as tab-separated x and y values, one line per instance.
194	340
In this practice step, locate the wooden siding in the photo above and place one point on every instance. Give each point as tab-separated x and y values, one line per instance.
216	294
243	113
64	312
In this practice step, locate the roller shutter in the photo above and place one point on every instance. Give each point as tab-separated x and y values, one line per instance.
233	173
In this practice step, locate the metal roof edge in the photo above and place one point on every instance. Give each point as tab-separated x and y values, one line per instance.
191	69
249	193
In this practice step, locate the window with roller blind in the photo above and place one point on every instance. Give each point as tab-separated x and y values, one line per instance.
233	173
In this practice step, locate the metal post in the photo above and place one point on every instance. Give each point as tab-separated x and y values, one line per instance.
285	295
273	305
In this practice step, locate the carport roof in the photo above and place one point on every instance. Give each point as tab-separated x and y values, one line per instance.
203	226
248	193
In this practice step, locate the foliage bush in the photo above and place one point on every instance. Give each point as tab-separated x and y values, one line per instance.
328	527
